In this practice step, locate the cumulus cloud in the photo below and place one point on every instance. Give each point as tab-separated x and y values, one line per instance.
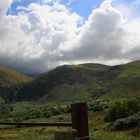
106	37
49	1
30	38
42	36
4	5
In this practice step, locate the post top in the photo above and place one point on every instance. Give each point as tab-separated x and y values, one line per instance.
79	103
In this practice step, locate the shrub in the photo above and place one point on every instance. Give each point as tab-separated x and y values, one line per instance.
132	121
122	109
4	110
117	111
97	108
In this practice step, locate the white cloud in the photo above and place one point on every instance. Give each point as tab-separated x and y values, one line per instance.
129	10
42	36
106	37
49	1
4	5
29	40
70	2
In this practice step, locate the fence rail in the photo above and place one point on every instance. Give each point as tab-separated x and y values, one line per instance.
28	124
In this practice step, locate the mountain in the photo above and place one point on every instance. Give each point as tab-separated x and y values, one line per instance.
10	82
72	82
84	82
64	82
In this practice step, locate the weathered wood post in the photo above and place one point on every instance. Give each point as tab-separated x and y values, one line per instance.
79	115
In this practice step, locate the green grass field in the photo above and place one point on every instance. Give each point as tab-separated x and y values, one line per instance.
58	112
96	125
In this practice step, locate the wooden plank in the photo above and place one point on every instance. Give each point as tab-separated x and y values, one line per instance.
80	120
66	124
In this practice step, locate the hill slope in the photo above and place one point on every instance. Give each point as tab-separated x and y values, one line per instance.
10	82
59	79
121	81
83	82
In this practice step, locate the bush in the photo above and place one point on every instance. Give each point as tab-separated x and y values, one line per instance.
43	111
4	110
97	106
132	121
117	111
122	109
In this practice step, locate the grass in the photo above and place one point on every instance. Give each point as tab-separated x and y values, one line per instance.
35	133
9	76
10	82
96	124
42	133
115	138
72	93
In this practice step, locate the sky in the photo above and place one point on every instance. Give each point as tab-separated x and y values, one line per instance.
38	35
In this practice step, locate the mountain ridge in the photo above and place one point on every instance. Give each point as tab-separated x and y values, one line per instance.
90	81
82	82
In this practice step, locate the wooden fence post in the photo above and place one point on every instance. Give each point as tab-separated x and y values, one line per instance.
79	115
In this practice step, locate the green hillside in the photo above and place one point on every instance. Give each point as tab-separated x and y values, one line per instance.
10	82
122	80
72	82
84	82
59	82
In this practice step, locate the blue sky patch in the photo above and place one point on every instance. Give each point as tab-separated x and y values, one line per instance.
82	7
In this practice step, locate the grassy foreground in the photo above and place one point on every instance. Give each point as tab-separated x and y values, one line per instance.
96	124
108	120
